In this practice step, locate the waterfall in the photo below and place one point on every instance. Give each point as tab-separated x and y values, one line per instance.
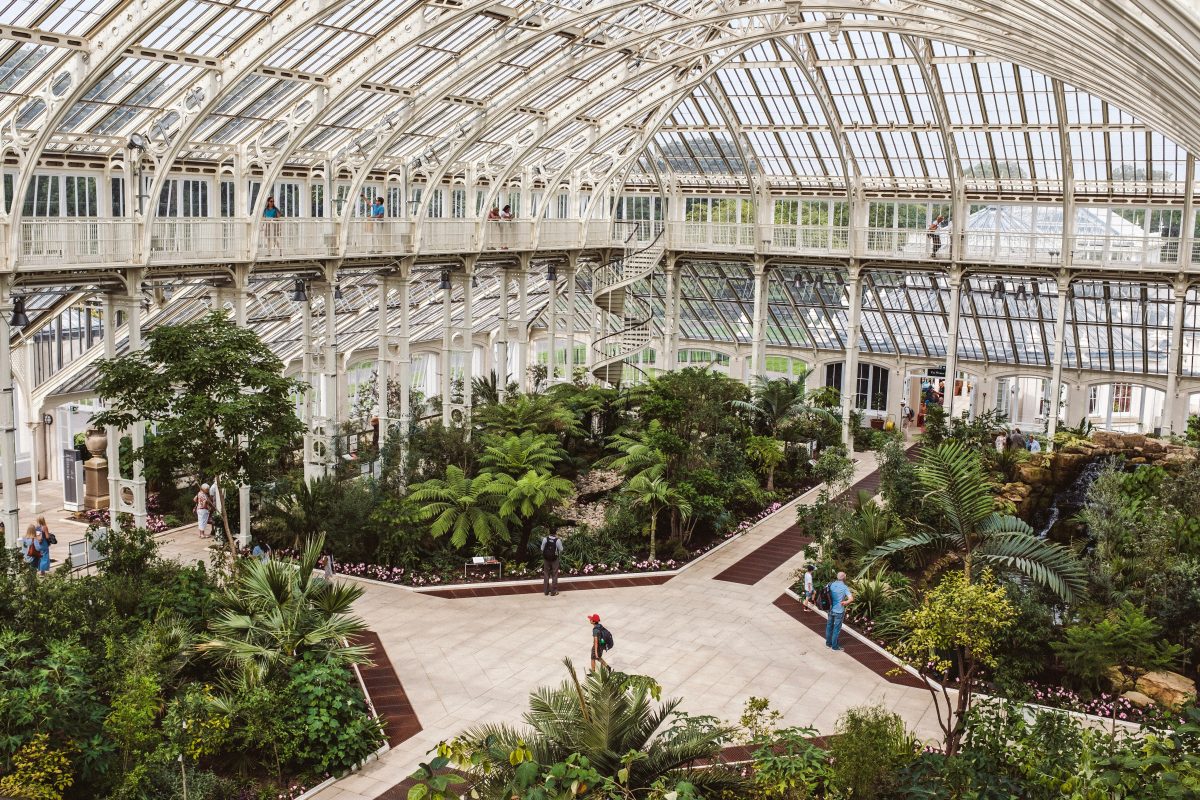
1070	500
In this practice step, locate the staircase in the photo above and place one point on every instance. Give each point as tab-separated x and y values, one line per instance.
609	288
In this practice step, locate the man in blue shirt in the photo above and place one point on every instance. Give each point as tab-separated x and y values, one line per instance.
841	597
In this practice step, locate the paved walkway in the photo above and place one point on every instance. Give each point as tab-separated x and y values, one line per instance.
714	643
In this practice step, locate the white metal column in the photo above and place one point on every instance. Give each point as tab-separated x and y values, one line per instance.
850	368
8	422
758	346
113	451
137	433
241	318
468	338
955	279
670	315
404	360
312	469
1060	351
523	329
383	360
552	325
447	341
572	266
1173	421
502	335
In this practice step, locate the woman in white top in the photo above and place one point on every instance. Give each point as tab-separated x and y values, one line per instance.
204	506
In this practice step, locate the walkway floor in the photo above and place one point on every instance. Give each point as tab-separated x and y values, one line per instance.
713	643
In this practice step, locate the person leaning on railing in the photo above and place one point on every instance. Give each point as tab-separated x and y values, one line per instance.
271	224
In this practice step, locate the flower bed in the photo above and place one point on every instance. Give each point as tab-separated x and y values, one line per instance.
1102	705
155	522
408	577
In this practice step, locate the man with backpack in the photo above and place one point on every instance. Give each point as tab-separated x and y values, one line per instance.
602	642
552	548
838	596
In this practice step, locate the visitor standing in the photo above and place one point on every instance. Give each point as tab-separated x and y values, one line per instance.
552	548
1017	440
840	596
1034	445
271	224
810	593
1001	442
42	543
935	234
44	527
204	506
602	642
28	546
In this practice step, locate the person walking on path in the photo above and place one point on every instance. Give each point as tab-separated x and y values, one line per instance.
41	543
50	538
204	505
28	546
840	596
601	642
552	548
810	593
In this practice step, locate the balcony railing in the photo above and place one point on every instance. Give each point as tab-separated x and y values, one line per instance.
75	242
183	241
379	237
448	236
280	239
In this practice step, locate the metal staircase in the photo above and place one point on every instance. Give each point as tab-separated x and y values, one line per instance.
609	288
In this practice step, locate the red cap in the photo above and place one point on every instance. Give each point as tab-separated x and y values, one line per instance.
594	618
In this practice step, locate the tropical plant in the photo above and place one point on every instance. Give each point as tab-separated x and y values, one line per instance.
635	454
955	632
870	749
1125	644
273	612
529	498
767	453
970	532
776	402
868	527
609	719
485	390
655	494
462	506
517	454
536	413
215	393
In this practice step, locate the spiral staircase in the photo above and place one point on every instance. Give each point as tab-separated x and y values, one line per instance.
610	285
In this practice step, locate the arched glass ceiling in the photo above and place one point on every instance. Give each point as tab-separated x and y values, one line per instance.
714	93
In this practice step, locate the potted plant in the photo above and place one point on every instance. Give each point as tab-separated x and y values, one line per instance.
97	441
80	442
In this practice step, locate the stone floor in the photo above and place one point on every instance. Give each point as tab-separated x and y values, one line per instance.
713	643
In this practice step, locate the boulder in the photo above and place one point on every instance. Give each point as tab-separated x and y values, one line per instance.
1067	465
1153	447
1138	699
1138	460
1178	459
1033	474
1169	689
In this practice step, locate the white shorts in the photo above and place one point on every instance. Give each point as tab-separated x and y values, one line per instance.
202	515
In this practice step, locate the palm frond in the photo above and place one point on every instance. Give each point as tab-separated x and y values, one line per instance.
1046	563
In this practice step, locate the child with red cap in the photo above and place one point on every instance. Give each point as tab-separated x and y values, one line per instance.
602	641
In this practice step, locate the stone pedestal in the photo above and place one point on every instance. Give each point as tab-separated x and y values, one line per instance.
95	484
95	472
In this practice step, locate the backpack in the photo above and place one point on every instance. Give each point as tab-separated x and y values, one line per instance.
825	598
606	638
550	548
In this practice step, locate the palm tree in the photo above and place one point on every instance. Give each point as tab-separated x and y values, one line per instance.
515	455
606	718
274	611
531	496
536	413
656	494
767	452
485	391
463	506
969	529
870	526
774	402
635	456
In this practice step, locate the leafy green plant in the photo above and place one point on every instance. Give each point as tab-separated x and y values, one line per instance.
968	531
274	612
39	771
329	729
603	717
788	766
463	507
1124	643
869	750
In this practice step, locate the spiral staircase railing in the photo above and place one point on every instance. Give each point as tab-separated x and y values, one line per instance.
609	285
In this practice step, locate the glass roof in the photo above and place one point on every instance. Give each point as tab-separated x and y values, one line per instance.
712	93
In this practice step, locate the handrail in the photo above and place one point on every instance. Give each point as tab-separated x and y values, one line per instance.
598	345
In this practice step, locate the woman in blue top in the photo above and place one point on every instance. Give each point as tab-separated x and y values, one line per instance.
271	214
41	541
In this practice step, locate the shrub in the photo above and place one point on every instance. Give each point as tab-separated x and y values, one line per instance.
39	771
870	749
329	730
